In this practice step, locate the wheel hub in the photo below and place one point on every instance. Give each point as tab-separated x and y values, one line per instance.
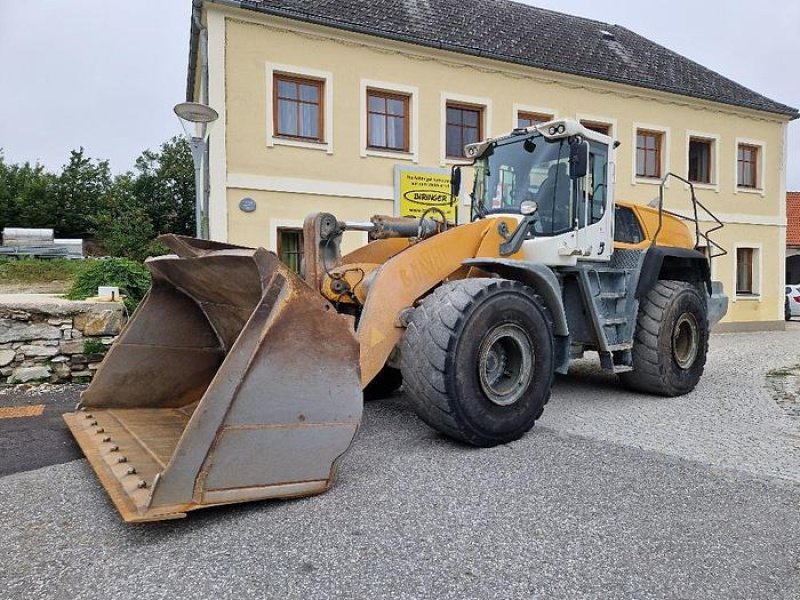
505	364
685	340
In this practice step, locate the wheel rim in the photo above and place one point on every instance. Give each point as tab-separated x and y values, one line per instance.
505	364
685	340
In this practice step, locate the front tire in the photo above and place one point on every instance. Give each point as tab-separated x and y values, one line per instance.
671	341
477	360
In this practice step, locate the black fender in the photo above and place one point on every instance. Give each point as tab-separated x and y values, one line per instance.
668	262
545	283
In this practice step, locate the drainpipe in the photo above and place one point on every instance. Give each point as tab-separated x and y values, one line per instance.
202	50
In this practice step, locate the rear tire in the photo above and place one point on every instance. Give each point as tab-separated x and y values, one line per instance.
477	360
671	340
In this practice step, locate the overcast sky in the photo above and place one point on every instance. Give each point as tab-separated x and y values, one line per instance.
105	74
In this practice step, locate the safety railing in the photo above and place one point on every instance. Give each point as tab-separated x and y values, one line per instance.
696	204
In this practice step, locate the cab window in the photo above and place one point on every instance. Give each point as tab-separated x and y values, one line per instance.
626	226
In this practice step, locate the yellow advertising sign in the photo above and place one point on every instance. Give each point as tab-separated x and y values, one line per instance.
418	189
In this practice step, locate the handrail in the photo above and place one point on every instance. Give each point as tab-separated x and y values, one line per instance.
705	235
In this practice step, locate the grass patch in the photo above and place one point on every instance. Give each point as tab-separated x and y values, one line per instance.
33	270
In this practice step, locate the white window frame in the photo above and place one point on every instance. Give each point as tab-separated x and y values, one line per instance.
665	153
275	224
327	117
758	260
479	101
413	125
713	137
612	123
526	108
762	153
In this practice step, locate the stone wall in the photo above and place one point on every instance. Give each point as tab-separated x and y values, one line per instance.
47	338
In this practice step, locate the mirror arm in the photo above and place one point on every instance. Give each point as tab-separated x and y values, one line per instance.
514	243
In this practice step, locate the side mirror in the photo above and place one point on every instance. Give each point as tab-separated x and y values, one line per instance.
578	159
455	182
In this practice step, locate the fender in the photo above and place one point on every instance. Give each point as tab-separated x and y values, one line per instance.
667	262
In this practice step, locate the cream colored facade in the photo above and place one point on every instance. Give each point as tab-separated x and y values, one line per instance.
289	179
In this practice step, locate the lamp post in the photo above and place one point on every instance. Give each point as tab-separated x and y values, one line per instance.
196	120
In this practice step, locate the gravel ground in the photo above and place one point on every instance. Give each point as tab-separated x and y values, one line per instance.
613	495
729	420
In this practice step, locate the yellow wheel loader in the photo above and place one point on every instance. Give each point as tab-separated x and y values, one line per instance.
237	380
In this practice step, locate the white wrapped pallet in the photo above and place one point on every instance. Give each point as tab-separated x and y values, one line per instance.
24	237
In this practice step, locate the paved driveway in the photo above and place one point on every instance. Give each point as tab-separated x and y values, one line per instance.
613	495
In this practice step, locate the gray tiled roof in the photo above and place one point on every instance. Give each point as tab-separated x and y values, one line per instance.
522	34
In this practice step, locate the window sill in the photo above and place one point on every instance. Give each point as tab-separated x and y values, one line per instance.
747	298
649	180
704	186
296	143
749	190
451	160
393	154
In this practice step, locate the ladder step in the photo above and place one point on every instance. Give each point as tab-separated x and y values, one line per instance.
615	347
615	321
622	368
611	295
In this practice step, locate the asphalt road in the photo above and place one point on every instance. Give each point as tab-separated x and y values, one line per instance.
598	501
36	441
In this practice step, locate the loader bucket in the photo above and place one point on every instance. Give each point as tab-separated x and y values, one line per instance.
233	381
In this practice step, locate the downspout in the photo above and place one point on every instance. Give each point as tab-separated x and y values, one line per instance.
202	41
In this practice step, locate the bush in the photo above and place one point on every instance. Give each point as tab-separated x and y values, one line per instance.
132	279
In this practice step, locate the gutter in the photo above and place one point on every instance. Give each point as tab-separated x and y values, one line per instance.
296	15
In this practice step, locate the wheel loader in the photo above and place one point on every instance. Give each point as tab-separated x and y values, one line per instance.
238	380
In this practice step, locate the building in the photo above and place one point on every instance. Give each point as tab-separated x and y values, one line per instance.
320	101
793	237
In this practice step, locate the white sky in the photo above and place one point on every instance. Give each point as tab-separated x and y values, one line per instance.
105	74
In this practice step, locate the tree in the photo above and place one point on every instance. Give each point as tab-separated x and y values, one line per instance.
124	213
164	185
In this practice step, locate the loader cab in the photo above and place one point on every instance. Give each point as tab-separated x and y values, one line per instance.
565	169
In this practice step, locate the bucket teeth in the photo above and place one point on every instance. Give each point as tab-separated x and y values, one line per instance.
122	459
131	471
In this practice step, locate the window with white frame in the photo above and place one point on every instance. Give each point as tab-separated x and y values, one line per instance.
747	272
464	126
649	153
388	119
598	126
748	170
701	160
529	119
299	107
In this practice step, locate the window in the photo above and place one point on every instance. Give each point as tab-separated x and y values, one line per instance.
747	166
700	160
529	119
464	126
387	121
745	271
648	153
626	226
290	247
603	128
298	107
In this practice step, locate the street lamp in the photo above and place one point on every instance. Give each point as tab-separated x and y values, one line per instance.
196	120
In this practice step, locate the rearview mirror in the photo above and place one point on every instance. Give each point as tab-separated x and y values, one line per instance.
455	182
578	159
